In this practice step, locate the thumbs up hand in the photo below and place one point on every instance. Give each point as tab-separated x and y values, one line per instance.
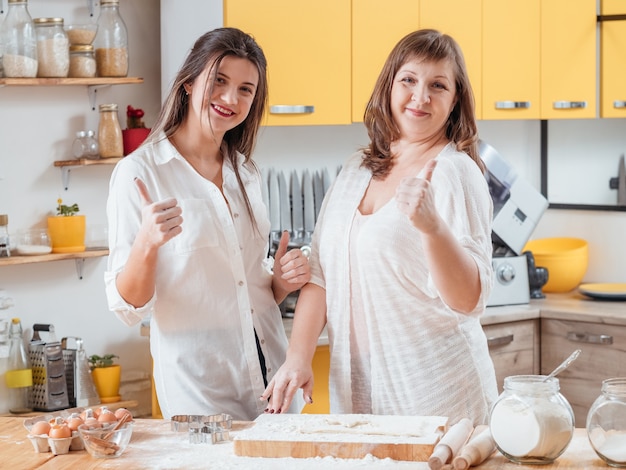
160	221
414	198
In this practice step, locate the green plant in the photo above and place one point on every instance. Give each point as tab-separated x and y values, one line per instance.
64	210
96	361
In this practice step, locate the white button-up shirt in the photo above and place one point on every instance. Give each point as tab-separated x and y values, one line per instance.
213	285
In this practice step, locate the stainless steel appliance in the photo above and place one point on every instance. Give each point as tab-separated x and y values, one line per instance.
49	384
517	208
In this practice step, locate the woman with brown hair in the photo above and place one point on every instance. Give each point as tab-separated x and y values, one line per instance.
402	284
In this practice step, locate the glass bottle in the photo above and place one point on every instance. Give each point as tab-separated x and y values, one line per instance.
53	54
531	422
4	364
19	376
111	42
606	423
5	243
19	43
78	146
110	140
91	146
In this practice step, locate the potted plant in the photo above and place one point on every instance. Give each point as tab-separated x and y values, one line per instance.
67	229
136	131
106	376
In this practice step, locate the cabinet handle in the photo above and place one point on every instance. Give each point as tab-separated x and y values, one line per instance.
512	104
589	338
291	109
499	340
619	104
569	104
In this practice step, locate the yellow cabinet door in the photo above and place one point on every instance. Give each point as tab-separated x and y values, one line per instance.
307	46
376	28
511	57
461	19
613	61
321	368
568	59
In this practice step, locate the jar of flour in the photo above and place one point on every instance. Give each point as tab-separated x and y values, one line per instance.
606	423
531	422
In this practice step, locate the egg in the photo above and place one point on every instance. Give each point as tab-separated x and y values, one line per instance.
107	416
59	431
121	412
39	428
74	421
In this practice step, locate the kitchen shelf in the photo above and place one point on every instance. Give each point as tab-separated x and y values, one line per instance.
66	166
79	258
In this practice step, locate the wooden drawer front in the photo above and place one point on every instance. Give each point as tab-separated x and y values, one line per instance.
603	356
514	348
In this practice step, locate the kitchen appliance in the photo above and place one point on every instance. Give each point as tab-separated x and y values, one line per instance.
49	384
517	208
81	389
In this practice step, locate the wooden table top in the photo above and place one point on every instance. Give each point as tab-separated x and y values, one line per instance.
155	446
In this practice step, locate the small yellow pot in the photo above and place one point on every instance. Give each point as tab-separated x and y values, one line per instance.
67	233
107	382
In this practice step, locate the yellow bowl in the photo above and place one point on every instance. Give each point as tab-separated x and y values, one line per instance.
566	260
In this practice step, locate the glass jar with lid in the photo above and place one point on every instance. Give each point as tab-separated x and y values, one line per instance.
82	61
52	48
18	42
531	422
606	423
110	141
111	42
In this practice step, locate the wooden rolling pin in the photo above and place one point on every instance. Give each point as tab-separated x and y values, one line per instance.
450	444
480	446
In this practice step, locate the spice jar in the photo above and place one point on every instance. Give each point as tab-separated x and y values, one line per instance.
111	41
82	61
110	140
606	423
52	47
18	40
92	151
531	422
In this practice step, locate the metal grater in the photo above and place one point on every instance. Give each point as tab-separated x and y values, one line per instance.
49	384
80	387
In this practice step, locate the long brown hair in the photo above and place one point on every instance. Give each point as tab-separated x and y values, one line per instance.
428	45
211	48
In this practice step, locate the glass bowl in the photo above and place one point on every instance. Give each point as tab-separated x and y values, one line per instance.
33	242
81	34
104	442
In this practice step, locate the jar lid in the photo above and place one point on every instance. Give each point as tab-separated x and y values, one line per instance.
4	219
18	1
109	2
46	21
108	107
81	48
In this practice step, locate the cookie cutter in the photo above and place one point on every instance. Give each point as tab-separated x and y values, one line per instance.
204	428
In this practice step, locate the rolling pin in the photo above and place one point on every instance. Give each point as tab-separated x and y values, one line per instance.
450	444
480	446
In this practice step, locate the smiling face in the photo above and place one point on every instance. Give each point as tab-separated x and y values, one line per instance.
221	101
423	95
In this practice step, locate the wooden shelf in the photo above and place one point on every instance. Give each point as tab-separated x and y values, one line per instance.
13	260
95	81
87	161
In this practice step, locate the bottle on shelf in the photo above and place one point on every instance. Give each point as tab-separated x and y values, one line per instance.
92	150
110	140
53	56
111	42
19	376
19	42
5	243
79	145
4	365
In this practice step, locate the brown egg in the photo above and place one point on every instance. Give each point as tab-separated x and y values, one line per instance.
74	421
92	423
121	412
107	416
39	428
60	430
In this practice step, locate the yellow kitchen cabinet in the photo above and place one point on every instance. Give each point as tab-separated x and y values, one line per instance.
461	19
376	28
613	61
511	59
568	59
321	367
307	46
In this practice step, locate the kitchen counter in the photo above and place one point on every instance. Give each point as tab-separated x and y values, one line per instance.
154	446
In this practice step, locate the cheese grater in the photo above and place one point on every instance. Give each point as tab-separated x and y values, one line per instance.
49	384
81	390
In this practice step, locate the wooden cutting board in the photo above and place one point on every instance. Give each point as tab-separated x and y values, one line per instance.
411	438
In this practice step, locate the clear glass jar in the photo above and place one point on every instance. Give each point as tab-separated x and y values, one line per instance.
92	150
82	61
52	48
531	422
606	423
78	146
111	42
19	43
110	140
5	243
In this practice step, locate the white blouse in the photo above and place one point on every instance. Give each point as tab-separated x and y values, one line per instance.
424	358
213	286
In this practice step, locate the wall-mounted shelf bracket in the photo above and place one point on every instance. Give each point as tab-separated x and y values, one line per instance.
92	90
90	6
65	177
80	265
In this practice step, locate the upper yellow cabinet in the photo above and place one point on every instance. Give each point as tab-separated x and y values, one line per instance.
307	46
613	61
568	59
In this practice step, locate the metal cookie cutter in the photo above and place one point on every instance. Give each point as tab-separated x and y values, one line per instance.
204	428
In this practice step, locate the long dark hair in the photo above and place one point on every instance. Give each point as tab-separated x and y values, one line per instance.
211	48
428	45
